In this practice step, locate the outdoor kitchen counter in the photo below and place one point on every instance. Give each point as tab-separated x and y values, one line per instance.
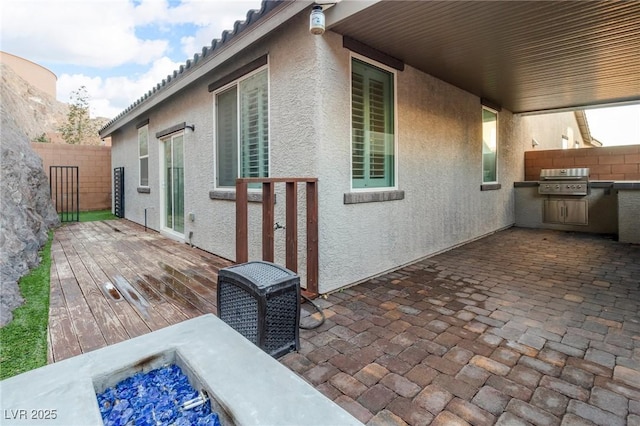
628	211
612	184
614	208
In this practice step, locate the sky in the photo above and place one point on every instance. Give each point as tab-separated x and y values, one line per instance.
117	49
120	49
615	125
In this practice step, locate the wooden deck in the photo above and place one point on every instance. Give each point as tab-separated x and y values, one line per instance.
111	281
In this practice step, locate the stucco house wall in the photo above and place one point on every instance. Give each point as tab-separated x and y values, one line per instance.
439	162
291	137
439	170
548	130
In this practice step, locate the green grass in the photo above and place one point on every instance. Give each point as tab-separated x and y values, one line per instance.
23	342
96	215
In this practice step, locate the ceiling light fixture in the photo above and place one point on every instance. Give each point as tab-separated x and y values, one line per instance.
316	20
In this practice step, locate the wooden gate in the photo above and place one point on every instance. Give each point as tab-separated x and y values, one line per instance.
65	192
118	191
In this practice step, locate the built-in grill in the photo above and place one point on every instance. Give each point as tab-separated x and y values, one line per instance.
564	181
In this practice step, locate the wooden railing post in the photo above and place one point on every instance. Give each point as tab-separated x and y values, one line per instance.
291	243
268	217
312	238
242	223
267	221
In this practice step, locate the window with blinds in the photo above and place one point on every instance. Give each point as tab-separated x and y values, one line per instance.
372	126
143	154
254	120
227	136
242	130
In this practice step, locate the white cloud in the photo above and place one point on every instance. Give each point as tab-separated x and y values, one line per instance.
212	18
111	95
67	84
151	12
98	33
206	12
104	34
190	45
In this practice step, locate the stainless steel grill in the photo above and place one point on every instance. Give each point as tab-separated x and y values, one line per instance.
564	181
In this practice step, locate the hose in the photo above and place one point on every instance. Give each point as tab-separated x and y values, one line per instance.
319	310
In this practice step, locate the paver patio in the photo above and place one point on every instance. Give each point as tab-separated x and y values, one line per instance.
521	327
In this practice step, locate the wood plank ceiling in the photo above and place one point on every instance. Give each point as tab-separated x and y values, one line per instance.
526	56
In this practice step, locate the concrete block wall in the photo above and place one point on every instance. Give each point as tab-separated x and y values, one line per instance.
94	170
605	163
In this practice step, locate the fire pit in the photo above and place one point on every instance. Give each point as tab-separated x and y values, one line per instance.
161	387
163	395
243	384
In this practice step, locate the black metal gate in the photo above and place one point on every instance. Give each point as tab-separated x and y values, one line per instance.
118	191
65	192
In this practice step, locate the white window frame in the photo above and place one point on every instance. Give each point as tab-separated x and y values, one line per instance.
144	128
222	89
386	68
497	179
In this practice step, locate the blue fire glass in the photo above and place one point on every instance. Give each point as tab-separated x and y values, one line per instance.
154	398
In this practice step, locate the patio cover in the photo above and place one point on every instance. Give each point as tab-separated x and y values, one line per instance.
525	56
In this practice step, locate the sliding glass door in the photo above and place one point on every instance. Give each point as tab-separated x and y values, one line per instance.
173	185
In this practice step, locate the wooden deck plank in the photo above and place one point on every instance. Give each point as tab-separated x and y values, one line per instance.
156	312
170	313
179	295
50	358
59	259
174	273
200	258
171	281
151	318
177	299
205	264
157	289
193	295
112	329
63	339
176	266
207	294
127	315
87	330
143	282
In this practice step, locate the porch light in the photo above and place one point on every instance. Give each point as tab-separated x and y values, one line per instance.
316	20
